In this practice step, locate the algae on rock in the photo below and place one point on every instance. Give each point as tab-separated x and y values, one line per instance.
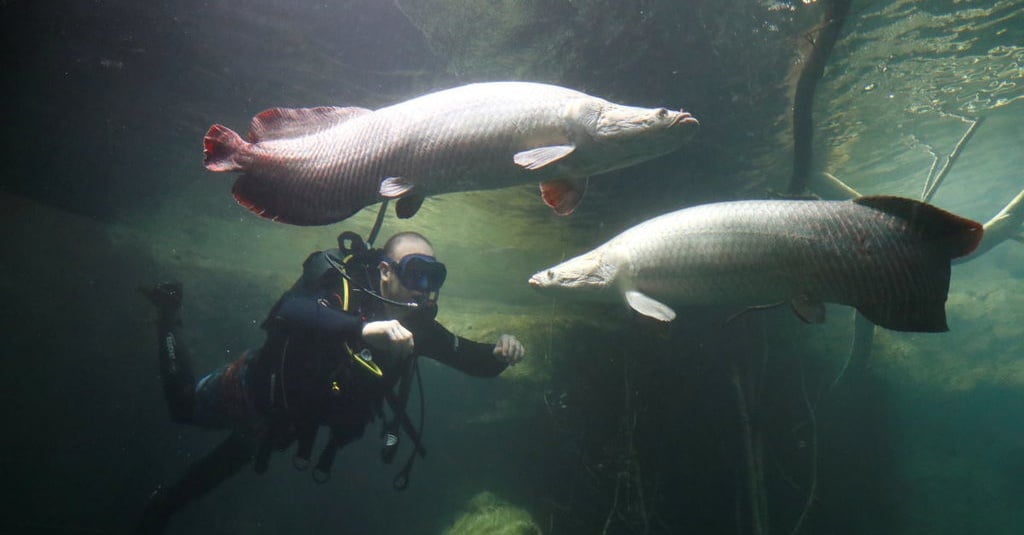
487	514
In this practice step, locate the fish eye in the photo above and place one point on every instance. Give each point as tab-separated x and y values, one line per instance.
551	274
662	113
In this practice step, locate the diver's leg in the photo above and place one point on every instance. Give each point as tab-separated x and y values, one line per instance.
175	361
201	477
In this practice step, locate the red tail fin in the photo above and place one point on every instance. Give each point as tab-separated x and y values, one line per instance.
221	149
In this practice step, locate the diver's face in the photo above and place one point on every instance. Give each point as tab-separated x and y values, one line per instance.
390	285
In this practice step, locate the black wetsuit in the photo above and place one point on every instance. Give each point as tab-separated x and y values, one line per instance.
306	375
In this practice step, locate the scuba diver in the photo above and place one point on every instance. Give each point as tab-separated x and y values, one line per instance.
341	344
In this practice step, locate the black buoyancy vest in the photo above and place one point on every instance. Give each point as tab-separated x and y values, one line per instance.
344	276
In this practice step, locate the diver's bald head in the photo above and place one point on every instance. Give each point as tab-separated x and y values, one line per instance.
405	243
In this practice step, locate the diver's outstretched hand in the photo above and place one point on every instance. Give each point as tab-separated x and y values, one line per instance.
509	349
389	336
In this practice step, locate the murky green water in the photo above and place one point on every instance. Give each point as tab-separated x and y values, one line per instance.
613	424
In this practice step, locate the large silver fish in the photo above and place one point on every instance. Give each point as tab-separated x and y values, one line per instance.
315	166
887	256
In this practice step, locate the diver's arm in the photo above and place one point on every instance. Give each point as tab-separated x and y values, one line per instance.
316	314
472	358
313	302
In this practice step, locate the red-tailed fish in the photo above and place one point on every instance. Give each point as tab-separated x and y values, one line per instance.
314	166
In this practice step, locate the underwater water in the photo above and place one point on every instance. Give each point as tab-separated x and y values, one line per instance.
614	423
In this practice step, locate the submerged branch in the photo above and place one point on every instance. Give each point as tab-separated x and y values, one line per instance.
754	489
803	99
419	27
860	349
812	493
1006	225
838	188
932	183
628	500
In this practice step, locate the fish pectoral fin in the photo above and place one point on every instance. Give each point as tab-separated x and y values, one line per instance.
285	123
808	310
649	307
563	195
407	206
539	157
395	186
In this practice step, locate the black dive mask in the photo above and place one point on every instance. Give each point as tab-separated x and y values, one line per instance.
420	273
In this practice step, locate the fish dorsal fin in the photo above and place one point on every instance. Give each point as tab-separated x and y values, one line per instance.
808	310
541	156
395	186
563	195
284	123
408	205
957	236
649	307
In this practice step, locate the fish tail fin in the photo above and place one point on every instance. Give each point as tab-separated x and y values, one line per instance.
959	236
953	235
945	236
922	316
221	148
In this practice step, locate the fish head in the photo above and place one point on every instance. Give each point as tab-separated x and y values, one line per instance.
589	273
633	134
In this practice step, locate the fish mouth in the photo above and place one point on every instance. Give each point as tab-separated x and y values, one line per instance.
686	117
534	282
